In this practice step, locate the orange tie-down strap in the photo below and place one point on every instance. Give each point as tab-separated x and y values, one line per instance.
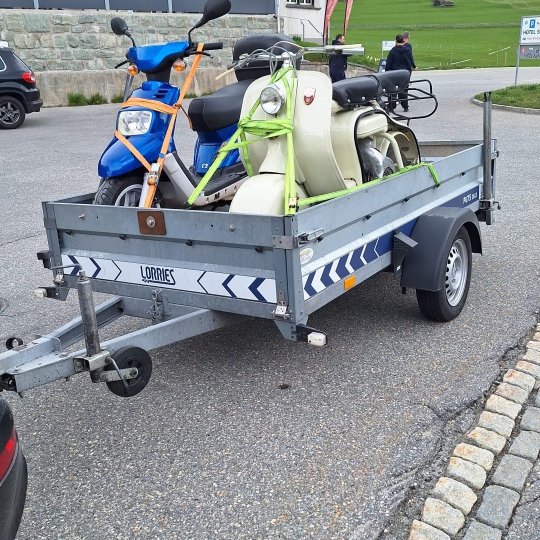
155	106
133	150
150	104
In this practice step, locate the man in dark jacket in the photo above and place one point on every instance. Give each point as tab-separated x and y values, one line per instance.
338	61
399	57
407	43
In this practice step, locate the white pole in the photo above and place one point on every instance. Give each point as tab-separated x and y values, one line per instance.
278	17
517	66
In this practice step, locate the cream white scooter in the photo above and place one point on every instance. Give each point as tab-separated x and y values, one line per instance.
304	140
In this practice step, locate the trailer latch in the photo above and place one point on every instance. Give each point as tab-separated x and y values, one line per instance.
281	311
292	242
305	238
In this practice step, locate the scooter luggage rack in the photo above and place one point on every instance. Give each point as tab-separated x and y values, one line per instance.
415	93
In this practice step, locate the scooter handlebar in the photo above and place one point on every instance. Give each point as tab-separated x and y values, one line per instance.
217	45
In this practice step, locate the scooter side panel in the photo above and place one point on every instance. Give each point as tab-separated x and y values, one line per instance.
207	146
117	160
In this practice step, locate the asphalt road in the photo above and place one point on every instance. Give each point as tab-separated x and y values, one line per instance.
213	448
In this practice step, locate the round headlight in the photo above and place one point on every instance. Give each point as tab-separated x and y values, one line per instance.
272	99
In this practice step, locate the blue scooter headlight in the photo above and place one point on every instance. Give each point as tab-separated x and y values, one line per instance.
134	122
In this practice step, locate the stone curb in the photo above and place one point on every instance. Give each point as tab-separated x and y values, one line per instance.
454	499
521	110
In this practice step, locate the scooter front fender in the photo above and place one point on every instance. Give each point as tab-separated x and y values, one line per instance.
117	159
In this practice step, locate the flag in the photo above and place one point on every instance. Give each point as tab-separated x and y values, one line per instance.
330	6
348	10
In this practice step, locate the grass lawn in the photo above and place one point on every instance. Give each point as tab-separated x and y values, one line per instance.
473	33
526	95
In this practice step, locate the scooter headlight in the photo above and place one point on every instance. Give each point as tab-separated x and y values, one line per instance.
272	99
134	122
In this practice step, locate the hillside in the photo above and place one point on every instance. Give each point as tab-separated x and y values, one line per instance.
473	33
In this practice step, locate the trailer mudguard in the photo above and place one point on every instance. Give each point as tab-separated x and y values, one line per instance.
434	232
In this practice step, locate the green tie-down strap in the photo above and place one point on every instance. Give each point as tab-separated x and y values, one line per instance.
335	194
262	129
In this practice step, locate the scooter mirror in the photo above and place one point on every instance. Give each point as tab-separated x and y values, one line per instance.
213	9
119	26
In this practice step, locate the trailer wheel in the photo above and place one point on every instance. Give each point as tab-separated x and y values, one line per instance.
13	342
123	191
446	304
129	357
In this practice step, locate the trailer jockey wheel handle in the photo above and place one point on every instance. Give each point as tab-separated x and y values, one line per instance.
130	357
13	342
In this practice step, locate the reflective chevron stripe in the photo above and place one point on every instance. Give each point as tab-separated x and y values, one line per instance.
322	278
183	279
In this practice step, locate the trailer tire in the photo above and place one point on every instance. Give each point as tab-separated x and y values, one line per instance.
131	357
446	303
115	191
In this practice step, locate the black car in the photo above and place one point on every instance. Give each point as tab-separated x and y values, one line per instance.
13	475
18	92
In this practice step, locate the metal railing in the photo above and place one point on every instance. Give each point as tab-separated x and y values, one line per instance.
303	24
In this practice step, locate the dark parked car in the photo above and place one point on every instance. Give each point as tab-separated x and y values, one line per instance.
13	475
19	94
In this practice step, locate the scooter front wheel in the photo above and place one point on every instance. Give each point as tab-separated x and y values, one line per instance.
123	191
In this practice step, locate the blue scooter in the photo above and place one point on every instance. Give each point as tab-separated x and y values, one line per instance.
143	122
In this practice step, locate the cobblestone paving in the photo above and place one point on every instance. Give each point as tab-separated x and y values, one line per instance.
487	475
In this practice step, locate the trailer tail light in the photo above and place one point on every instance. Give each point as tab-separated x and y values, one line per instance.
7	455
29	77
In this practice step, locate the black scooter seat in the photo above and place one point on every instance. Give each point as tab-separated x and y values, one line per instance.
392	82
358	91
350	93
218	110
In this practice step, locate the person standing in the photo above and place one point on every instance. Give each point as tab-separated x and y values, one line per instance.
338	61
399	57
406	43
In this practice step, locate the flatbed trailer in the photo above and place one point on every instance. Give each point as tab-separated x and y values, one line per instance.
191	271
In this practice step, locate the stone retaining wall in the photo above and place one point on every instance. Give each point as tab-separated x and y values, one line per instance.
75	51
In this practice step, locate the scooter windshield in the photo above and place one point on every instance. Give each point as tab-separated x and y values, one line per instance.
149	58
